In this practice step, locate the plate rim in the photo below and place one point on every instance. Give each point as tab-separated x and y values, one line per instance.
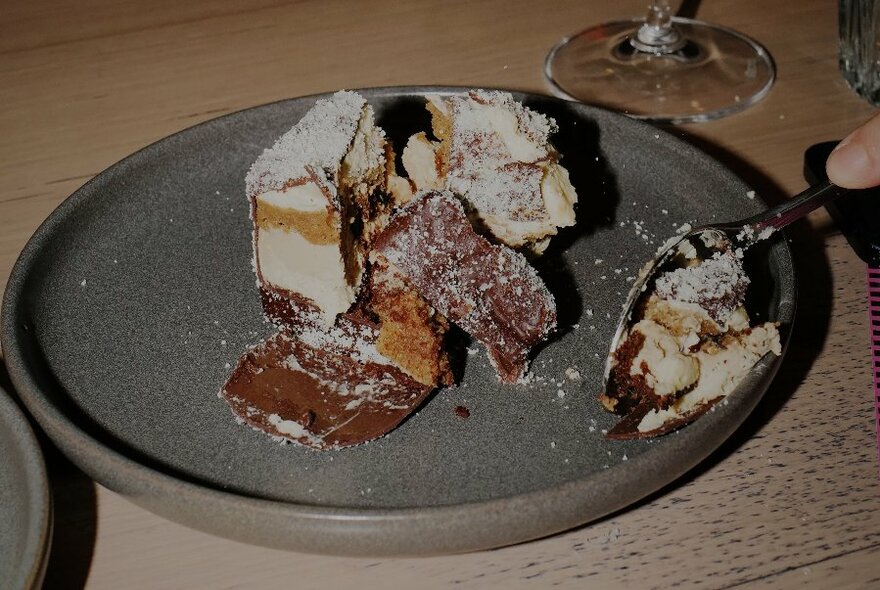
365	531
30	572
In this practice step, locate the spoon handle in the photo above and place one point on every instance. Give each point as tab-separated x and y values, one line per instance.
792	210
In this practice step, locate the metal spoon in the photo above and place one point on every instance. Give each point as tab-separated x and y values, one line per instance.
705	240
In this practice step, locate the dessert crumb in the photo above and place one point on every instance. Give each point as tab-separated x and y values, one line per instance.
462	412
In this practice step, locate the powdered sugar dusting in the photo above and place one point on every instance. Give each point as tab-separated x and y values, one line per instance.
717	284
319	141
490	291
485	168
358	340
472	127
513	191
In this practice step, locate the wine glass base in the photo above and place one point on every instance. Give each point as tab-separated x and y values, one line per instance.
717	73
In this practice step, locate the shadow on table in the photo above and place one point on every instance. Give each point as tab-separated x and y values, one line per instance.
74	509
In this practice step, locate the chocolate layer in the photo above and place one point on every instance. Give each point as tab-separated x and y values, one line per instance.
288	309
626	391
321	392
490	291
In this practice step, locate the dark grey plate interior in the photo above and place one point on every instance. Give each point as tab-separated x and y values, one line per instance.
129	304
25	505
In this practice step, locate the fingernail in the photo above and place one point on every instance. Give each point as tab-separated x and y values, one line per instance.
843	142
848	163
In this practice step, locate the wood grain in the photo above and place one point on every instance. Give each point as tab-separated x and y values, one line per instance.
791	501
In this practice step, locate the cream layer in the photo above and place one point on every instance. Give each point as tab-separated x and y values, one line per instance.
307	196
318	271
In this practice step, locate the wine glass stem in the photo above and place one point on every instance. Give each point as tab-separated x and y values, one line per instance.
658	35
659	15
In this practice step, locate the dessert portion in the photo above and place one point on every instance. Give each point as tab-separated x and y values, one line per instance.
689	345
495	154
358	348
316	198
325	388
342	385
361	294
488	290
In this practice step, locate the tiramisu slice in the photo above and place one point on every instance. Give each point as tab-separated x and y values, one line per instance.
496	155
688	347
490	291
315	196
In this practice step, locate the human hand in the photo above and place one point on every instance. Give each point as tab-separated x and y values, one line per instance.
855	162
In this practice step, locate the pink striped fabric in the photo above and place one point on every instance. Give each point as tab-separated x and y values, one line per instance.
874	310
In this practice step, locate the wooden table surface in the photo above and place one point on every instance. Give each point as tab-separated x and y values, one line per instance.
791	501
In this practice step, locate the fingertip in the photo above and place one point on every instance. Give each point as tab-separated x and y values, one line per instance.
850	165
855	162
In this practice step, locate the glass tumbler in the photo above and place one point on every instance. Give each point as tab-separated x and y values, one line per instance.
860	47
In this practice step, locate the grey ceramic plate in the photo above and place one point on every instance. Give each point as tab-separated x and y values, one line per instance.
129	304
25	501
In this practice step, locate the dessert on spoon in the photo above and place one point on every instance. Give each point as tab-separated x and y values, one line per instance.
685	341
